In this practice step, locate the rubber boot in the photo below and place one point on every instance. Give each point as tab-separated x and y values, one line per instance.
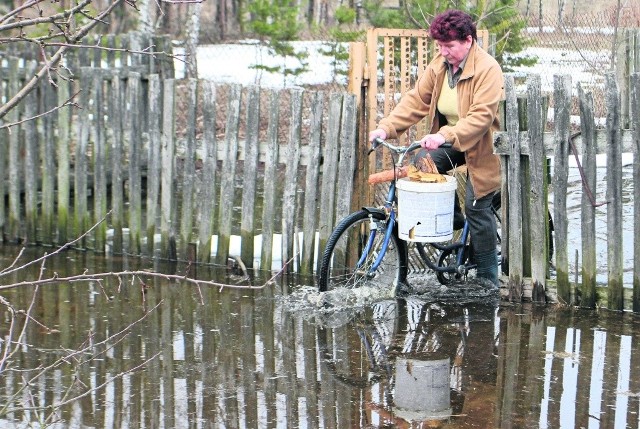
487	267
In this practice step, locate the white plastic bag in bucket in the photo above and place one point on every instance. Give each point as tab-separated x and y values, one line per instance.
425	210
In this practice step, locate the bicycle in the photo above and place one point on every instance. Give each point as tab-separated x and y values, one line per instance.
365	248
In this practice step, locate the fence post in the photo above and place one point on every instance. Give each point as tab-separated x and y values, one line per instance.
515	192
562	116
587	296
357	66
538	190
614	194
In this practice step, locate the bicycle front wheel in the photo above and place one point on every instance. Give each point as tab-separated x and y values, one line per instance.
352	250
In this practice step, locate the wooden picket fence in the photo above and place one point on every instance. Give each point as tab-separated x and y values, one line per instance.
180	169
526	201
175	169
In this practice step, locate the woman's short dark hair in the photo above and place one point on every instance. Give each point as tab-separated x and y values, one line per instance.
452	25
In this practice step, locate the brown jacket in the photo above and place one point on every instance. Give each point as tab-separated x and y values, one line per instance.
480	90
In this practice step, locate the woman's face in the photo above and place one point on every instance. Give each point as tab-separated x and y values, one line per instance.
455	50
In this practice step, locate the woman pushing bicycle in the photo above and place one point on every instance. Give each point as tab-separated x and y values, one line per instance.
460	91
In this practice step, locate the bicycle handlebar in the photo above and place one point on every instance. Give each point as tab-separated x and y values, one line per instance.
399	149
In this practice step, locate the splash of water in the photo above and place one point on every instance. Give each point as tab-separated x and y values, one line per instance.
333	308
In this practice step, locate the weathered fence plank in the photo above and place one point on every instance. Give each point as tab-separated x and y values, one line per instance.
562	121
110	43
227	182
63	176
347	157
80	213
614	194
289	197
538	190
523	119
134	143
117	192
47	139
588	297
329	172
515	193
167	232
310	205
188	169
206	210
153	161
270	169
4	147
99	164
250	176
13	230
30	160
635	120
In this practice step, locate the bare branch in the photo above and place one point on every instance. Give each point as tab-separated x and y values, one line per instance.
66	103
13	268
47	19
85	349
55	59
19	9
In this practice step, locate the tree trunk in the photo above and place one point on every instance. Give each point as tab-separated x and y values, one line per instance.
191	46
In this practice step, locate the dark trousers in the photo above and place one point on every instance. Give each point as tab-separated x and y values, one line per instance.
482	222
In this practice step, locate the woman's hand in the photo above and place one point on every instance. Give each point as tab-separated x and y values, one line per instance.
377	133
432	141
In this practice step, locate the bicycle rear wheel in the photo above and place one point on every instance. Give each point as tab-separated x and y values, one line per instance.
340	262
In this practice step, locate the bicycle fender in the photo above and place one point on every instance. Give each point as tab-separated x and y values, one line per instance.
373	210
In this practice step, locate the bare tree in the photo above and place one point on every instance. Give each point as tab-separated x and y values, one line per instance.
55	33
192	38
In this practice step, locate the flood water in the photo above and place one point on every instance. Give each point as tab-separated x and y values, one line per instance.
153	352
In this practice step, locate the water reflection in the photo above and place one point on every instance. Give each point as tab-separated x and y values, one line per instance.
417	364
158	353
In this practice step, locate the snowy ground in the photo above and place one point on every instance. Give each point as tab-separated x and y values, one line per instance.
232	63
